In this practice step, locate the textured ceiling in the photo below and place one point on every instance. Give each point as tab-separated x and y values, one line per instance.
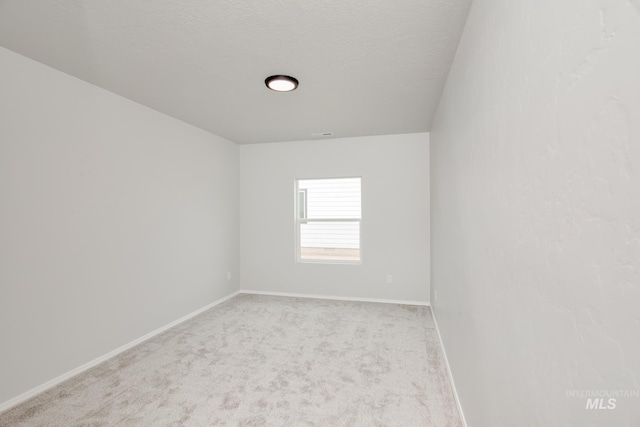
366	67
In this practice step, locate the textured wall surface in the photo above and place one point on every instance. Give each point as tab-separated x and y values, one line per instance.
395	216
535	167
115	220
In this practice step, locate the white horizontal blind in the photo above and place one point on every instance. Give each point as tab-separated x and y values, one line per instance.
328	219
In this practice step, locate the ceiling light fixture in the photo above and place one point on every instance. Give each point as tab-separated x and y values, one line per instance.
281	83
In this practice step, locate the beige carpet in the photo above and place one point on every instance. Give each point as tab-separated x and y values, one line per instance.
266	361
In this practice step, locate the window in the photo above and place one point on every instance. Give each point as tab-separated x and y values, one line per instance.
328	216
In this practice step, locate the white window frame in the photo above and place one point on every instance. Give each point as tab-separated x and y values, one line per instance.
299	221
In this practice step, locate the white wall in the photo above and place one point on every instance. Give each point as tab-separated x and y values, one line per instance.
535	191
395	212
114	221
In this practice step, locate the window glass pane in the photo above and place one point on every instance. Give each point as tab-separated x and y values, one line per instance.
330	241
332	198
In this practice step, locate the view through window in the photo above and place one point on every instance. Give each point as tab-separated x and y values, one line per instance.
328	216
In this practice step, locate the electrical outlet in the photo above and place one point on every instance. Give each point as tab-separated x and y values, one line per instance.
389	278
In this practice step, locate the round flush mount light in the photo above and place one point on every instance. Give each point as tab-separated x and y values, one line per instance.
281	83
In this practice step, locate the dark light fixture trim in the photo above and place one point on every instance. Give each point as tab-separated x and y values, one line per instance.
281	83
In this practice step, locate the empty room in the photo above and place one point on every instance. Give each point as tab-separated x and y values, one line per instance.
296	213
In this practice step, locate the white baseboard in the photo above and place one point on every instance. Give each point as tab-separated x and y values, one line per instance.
287	294
54	382
446	361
